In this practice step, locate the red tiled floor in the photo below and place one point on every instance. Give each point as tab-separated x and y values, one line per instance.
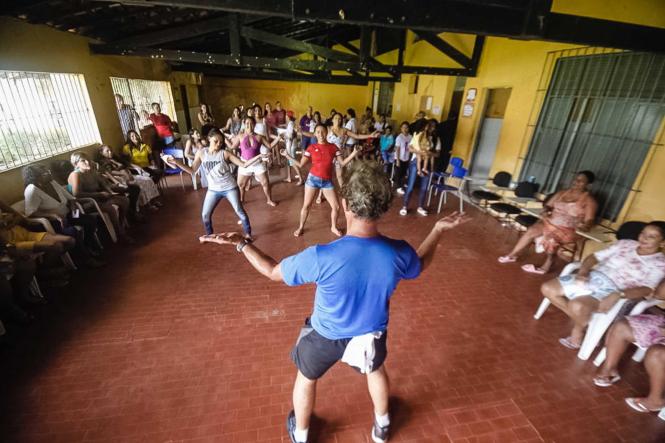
178	341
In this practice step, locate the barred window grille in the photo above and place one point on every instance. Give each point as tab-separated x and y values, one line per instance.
43	114
134	99
601	112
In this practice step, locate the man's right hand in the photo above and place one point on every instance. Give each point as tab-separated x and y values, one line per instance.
225	238
451	221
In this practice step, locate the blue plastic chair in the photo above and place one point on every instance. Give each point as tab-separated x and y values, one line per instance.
456	162
449	183
178	154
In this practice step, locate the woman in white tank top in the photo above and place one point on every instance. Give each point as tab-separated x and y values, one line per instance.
215	163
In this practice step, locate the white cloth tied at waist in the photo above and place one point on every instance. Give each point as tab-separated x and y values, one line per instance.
360	351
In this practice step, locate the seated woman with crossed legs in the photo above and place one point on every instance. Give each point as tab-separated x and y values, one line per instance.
84	181
567	211
627	269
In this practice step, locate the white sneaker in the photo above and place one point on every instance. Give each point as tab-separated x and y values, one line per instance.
240	222
402	211
422	212
400	191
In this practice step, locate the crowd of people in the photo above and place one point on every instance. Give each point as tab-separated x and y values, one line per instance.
358	165
632	269
70	209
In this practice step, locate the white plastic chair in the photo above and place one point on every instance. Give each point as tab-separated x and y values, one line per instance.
638	356
601	322
19	207
567	270
178	154
35	289
105	218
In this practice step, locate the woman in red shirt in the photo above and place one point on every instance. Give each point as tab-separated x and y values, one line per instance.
322	155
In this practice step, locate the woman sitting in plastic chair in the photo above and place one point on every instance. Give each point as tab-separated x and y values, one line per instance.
627	269
648	332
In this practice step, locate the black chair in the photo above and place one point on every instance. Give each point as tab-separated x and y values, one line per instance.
501	180
526	220
630	230
523	190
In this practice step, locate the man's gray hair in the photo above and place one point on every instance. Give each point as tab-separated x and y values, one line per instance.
367	189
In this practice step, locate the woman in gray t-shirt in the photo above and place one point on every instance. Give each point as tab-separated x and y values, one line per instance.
215	162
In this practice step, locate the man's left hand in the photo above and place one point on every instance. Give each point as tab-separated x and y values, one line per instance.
451	221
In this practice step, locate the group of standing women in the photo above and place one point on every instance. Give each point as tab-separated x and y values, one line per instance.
250	141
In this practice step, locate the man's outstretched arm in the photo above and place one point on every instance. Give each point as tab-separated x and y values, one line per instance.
428	246
262	262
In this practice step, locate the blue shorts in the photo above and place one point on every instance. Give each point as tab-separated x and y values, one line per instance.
318	183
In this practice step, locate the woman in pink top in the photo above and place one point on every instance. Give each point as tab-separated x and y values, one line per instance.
567	211
251	145
628	269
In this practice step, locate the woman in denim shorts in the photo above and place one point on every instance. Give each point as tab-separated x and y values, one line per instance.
322	155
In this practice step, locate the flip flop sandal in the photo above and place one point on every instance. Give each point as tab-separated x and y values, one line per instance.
531	269
567	342
605	381
507	259
637	405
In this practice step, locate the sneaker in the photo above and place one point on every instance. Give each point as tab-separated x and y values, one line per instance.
291	426
402	211
380	434
422	212
400	191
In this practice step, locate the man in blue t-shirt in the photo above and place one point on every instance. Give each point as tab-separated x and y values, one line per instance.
355	277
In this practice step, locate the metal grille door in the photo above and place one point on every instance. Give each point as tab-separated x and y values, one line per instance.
601	113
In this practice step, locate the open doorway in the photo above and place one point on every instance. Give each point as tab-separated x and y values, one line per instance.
490	129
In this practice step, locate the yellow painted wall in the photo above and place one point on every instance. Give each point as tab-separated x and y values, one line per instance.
224	94
505	63
421	53
519	65
406	105
27	47
641	12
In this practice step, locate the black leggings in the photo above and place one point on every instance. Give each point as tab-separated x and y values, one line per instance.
400	173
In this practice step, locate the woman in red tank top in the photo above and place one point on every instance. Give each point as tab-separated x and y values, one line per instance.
322	155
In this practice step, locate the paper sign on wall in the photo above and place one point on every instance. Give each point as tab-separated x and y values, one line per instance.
467	110
436	110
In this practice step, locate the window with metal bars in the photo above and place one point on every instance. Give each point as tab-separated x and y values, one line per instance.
43	114
134	99
601	112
